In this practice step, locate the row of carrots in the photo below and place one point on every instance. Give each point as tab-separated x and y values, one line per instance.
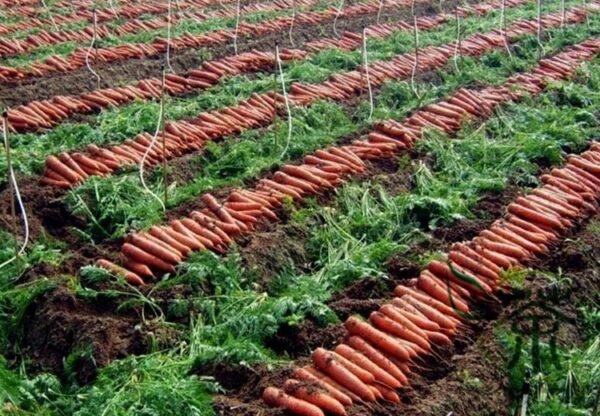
47	113
77	59
379	354
83	11
11	47
214	228
181	137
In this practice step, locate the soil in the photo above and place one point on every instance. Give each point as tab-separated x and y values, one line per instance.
123	72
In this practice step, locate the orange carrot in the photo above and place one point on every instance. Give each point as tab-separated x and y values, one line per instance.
151	247
424	298
415	316
131	277
326	362
370	352
428	285
141	256
388	394
377	338
326	379
392	327
276	398
360	360
311	395
302	374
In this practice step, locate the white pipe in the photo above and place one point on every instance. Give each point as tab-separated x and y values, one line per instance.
89	51
287	102
154	138
237	27
292	23
338	14
366	66
13	179
169	36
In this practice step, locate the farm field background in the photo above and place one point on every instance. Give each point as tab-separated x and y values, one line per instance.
300	207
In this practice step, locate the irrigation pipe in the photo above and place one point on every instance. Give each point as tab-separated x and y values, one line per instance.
89	51
379	11
168	56
286	100
416	64
366	66
50	15
151	145
14	191
458	47
237	27
503	28
292	23
337	16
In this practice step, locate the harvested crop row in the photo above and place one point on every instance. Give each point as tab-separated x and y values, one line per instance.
84	13
378	355
12	47
211	73
214	228
129	51
181	137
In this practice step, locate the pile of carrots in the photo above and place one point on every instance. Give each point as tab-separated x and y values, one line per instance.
132	51
68	170
162	248
11	47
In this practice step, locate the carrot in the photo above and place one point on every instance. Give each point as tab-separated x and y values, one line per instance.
162	235
320	399
455	289
62	183
500	260
535	238
325	361
276	398
242	206
292	191
138	268
214	206
306	175
388	394
531	227
360	360
187	241
200	231
438	338
397	314
56	165
179	227
302	374
141	256
473	264
424	298
392	327
500	245
444	272
376	357
415	316
440	293
71	164
295	182
326	379
363	375
151	247
377	338
131	277
517	239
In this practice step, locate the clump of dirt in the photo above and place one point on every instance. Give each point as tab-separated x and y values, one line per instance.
59	323
278	248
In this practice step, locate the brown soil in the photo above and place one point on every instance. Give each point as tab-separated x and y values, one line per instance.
79	81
